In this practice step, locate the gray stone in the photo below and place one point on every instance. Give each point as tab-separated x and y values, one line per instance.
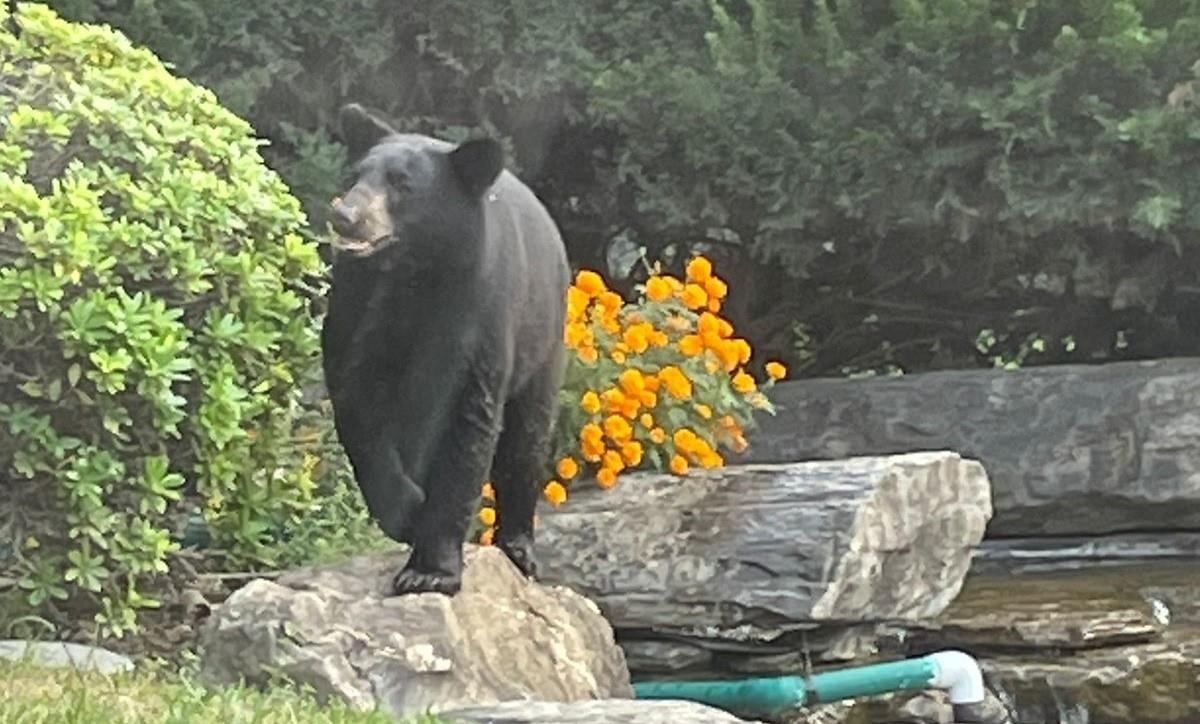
612	711
769	560
1070	449
501	638
60	654
1154	682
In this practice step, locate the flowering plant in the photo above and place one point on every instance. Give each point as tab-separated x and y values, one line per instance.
661	382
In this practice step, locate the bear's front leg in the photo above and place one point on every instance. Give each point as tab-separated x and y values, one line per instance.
455	472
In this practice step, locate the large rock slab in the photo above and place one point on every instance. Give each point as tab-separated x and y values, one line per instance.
611	711
749	568
1070	450
501	638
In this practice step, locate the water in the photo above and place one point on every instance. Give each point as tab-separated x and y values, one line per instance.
1084	643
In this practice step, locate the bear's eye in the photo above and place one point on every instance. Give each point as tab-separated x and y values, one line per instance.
396	179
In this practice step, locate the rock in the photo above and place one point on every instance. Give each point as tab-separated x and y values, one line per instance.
1049	554
747	567
612	711
1069	449
501	638
1062	611
65	655
1023	613
924	707
1156	682
1115	643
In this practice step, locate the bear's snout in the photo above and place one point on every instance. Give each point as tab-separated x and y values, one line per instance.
344	218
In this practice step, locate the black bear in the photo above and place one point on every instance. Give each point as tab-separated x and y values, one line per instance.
443	342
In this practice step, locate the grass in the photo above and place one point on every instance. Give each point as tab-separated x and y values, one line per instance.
31	694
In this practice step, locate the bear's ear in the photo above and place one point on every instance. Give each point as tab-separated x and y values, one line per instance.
361	129
477	163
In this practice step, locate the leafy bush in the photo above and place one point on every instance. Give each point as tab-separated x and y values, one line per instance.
154	316
660	383
881	181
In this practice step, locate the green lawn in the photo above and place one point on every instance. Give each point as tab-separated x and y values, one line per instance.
33	695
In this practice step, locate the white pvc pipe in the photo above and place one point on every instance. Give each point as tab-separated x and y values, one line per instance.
959	675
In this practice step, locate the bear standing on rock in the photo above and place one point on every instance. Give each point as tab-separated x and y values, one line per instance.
443	344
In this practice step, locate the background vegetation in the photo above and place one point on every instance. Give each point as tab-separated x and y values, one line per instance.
899	184
884	186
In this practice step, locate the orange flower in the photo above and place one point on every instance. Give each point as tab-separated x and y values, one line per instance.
590	402
705	411
743	382
743	348
657	289
567	468
724	328
488	491
632	452
652	383
694	296
728	354
716	288
647	420
658	436
676	381
555	492
591	431
691	345
684	439
630	407
578	334
714	305
632	382
618	356
659	338
588	354
577	303
593	450
708	323
590	283
487	516
613	399
699	270
486	536
637	336
679	464
648	398
776	370
711	459
618	429
611	302
606	477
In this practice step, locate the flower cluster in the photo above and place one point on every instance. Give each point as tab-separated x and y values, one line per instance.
660	382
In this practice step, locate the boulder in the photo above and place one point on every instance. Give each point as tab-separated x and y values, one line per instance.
62	654
1153	682
611	711
751	568
1070	449
332	627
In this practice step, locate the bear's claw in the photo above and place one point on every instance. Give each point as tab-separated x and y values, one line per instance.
409	580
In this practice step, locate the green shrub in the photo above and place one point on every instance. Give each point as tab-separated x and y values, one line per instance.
154	317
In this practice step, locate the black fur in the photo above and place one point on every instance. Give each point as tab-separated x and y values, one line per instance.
442	347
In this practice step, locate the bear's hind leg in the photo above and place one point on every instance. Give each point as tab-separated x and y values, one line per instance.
452	481
519	469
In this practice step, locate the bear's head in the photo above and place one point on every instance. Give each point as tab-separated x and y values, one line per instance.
408	189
